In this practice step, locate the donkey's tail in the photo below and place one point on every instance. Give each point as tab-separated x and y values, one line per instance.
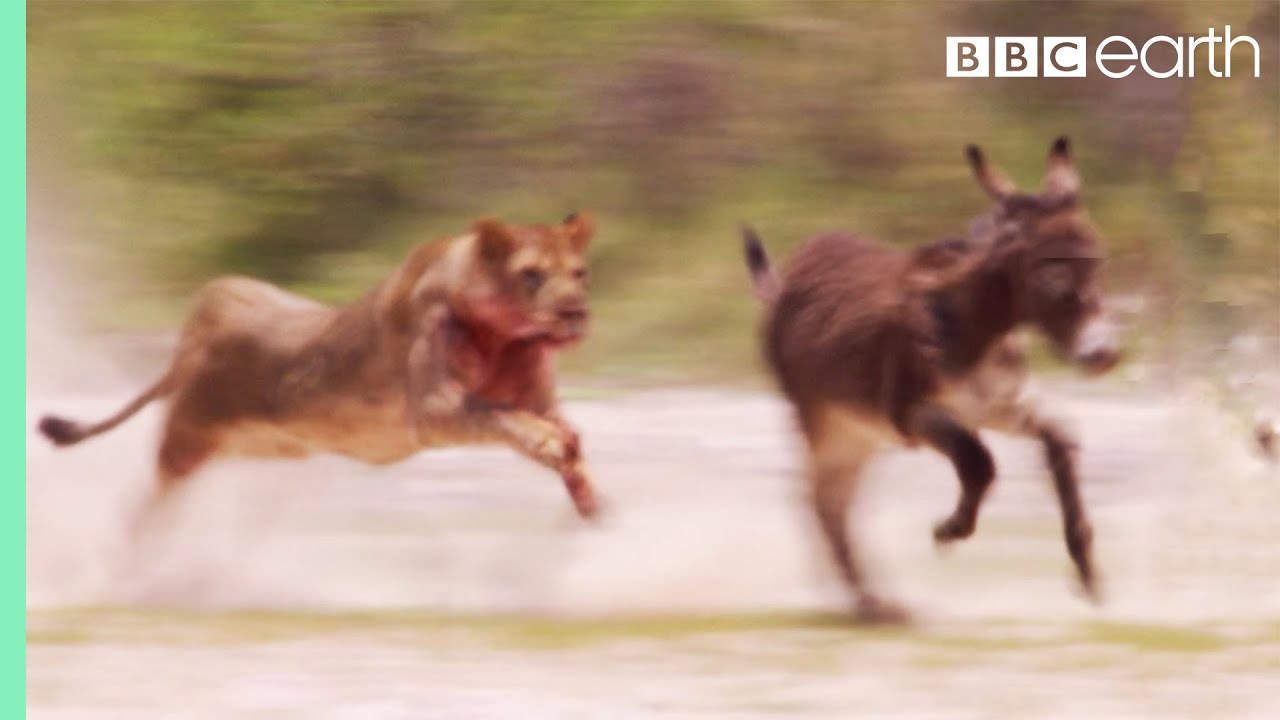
763	278
62	432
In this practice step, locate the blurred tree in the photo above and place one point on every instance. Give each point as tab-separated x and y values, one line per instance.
310	143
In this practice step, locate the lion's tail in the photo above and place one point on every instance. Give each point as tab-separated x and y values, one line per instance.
63	432
763	278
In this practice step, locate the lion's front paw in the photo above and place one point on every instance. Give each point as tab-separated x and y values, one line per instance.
561	446
582	494
553	447
571	446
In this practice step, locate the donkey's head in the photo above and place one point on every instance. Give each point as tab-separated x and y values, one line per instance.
1056	257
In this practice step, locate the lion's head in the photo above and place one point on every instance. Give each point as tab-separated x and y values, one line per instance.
531	280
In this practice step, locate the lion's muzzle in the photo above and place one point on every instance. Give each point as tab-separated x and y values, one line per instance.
571	323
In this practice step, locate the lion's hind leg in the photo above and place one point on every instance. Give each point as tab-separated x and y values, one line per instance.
182	451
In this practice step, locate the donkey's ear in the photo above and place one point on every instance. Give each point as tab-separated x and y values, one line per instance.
579	227
990	178
494	241
1061	180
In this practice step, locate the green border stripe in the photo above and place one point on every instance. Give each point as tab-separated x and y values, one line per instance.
13	265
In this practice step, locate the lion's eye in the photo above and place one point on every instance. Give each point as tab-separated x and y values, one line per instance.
580	274
532	278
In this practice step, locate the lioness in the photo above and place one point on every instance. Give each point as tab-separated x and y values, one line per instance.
455	347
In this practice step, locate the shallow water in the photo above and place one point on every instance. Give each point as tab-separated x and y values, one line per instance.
460	584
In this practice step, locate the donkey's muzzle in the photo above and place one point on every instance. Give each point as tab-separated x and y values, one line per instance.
1096	349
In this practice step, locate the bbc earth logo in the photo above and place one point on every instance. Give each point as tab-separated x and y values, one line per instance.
1067	56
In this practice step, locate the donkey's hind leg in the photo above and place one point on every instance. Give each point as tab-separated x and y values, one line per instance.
838	450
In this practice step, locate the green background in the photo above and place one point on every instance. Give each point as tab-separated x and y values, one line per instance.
313	143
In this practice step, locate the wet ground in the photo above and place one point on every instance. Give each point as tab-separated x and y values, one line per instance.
460	585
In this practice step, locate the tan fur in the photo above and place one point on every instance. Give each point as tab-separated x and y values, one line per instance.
454	347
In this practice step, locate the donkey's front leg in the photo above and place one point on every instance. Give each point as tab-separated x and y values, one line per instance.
1023	414
1000	395
973	464
1060	451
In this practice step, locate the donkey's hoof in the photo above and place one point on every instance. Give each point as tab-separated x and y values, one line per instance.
1091	590
872	610
951	529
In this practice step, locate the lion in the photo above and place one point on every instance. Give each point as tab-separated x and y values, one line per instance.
455	347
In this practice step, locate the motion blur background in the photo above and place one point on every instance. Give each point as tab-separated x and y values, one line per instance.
313	143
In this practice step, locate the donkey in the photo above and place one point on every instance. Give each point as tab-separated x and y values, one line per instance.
875	347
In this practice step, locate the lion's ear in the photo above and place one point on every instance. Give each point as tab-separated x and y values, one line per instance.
580	227
494	241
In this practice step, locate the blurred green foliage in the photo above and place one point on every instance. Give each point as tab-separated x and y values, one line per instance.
312	143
